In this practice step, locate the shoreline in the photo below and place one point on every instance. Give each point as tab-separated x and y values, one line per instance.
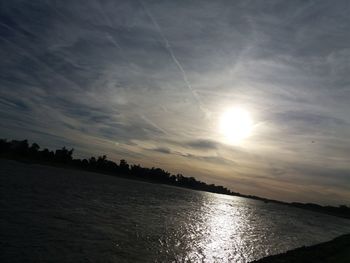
333	251
305	206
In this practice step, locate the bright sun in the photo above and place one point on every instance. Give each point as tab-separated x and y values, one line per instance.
236	124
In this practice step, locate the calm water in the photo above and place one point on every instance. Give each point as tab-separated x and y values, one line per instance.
57	215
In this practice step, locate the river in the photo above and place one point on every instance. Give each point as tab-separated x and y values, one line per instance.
61	215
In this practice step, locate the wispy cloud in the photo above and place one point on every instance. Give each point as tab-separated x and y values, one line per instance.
203	144
135	85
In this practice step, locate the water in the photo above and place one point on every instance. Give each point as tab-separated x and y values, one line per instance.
59	215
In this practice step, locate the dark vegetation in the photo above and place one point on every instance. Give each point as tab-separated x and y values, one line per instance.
22	151
335	251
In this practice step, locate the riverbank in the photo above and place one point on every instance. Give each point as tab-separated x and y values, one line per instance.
334	251
21	151
152	176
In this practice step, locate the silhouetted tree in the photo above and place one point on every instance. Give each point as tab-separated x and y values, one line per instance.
35	147
63	155
124	166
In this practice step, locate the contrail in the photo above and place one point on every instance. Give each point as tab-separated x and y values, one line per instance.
153	124
111	39
109	23
40	62
171	53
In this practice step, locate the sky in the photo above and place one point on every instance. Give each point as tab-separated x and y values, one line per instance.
148	81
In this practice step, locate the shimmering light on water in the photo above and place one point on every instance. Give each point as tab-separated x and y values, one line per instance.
219	227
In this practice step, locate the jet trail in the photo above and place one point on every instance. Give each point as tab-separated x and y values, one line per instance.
175	60
153	124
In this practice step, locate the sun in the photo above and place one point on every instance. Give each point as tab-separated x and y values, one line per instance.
236	124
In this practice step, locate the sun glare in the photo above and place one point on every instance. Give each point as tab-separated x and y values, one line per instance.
236	124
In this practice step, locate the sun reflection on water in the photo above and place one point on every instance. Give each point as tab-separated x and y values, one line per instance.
207	227
221	231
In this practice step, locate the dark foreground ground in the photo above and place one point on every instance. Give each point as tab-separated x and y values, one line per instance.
335	251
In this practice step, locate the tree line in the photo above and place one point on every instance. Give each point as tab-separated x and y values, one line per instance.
22	151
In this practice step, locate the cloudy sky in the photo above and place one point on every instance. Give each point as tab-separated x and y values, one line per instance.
148	81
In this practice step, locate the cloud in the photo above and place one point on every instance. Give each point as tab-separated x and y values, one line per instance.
79	75
162	150
205	158
308	119
203	144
